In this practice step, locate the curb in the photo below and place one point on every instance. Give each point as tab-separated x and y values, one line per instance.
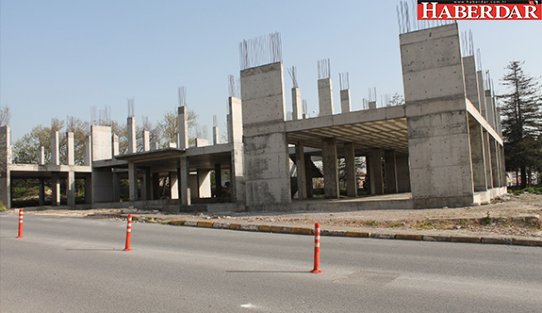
295	230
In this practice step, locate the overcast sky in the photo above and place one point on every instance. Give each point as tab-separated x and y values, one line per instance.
61	57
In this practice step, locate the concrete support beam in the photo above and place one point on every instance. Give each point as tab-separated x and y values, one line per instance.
478	157
471	81
481	94
297	104
41	195
351	171
265	154
308	176
204	183
494	163
174	185
55	186
325	97
55	149
375	173
132	181
331	170
42	156
70	145
146	141
437	118
301	171
345	101
237	173
185	190
403	173
131	133
182	122
390	171
115	145
70	192
487	159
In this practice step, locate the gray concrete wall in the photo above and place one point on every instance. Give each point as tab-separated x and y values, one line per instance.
101	143
478	157
471	81
331	170
266	157
102	185
390	172
403	173
345	101
237	173
438	134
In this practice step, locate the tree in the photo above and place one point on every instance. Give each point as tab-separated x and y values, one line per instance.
521	122
166	130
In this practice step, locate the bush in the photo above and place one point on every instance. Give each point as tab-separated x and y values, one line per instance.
532	189
2	207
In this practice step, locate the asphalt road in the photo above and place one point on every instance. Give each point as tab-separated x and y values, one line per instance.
77	265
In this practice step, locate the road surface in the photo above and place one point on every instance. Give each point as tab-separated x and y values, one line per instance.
77	265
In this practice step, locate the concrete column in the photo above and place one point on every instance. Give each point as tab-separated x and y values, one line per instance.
490	109
218	180
101	148
55	153
201	142
374	169
481	93
403	174
308	175
146	185
494	163
5	160
350	162
216	135
237	173
228	121
115	145
87	158
504	177
478	157
55	186
345	101
42	156
88	190
132	181
471	81
182	122
70	148
487	160
372	105
204	183
42	191
174	185
185	190
70	184
116	186
331	170
390	163
437	118
265	148
297	104
146	140
131	132
325	97
301	171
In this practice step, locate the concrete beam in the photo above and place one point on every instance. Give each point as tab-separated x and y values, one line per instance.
351	171
297	104
325	97
131	132
55	149
331	170
345	101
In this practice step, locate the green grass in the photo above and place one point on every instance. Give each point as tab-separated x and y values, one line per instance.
2	207
532	189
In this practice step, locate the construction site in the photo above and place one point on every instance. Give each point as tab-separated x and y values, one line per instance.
442	147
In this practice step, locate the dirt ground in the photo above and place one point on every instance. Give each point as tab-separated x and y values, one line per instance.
518	216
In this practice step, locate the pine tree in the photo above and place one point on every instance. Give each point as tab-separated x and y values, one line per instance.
521	122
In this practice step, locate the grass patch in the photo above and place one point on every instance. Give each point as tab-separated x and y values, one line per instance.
2	207
424	225
537	190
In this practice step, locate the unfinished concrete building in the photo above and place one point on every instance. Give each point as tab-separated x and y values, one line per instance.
442	148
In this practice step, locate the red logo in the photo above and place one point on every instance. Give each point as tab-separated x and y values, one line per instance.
480	10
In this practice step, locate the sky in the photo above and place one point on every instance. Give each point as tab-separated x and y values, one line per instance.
60	58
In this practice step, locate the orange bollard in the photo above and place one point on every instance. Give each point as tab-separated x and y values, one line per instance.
316	268
128	233
20	235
